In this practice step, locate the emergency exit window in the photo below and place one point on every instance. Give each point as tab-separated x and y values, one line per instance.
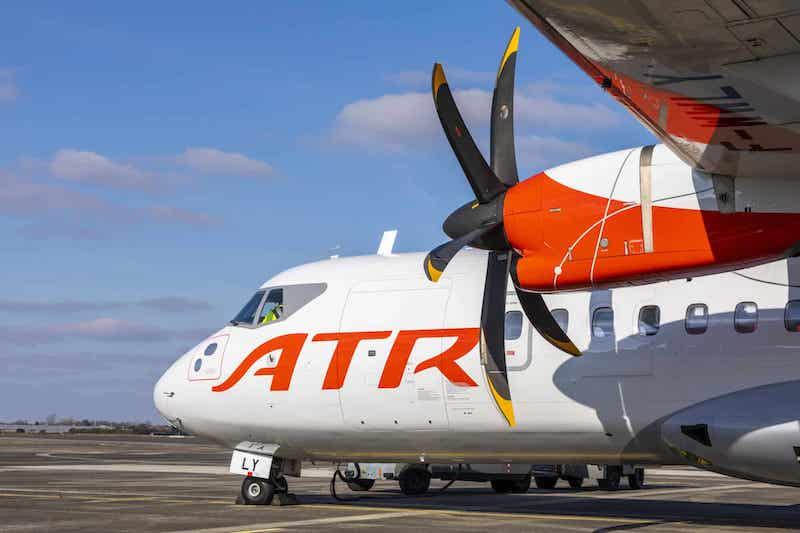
513	325
561	317
603	322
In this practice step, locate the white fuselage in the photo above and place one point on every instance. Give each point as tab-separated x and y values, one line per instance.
616	403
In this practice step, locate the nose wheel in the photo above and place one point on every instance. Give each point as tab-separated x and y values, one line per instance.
260	491
257	491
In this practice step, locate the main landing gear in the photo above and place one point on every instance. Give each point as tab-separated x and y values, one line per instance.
415	481
260	491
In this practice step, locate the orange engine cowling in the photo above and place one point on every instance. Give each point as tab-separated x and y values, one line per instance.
571	239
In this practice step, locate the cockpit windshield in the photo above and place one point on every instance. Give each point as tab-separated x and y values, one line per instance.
278	304
248	312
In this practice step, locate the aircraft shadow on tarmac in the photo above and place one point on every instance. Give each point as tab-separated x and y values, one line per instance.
641	512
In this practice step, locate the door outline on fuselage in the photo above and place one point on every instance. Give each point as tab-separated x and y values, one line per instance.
525	340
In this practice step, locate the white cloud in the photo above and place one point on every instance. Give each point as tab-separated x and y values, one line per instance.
91	167
59	212
8	86
408	121
213	161
104	329
537	152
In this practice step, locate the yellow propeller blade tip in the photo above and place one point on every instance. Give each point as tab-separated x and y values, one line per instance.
511	48
433	274
438	78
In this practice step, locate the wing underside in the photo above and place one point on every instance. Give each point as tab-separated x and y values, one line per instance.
718	81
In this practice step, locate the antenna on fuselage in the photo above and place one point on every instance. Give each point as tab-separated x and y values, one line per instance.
387	243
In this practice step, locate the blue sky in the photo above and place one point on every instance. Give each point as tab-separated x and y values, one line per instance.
158	161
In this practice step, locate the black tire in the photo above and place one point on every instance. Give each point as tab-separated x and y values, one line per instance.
613	477
257	491
415	482
636	480
521	486
502	486
575	482
361	485
545	482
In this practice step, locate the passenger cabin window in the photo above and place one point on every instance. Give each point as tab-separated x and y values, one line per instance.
278	304
696	319
248	312
562	318
791	316
649	320
745	318
513	325
603	322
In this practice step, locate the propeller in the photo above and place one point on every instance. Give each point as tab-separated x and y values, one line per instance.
480	223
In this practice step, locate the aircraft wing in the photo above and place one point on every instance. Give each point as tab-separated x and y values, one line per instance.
718	81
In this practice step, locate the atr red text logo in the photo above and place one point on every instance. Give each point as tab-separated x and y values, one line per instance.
291	345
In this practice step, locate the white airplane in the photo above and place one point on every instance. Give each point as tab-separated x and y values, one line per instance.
655	316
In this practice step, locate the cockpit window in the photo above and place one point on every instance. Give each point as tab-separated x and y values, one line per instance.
272	309
278	304
248	312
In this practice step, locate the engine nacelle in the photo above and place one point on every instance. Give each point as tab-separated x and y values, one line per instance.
642	215
752	434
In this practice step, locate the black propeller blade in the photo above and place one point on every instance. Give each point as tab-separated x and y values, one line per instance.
541	317
502	153
493	342
484	183
480	224
439	257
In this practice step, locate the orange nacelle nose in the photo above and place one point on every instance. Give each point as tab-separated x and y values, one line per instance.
570	239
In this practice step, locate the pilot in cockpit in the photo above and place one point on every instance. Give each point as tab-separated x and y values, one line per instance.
273	307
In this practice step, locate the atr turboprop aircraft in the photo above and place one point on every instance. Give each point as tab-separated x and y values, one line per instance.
655	310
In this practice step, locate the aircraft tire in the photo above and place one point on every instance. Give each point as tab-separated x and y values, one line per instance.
575	482
257	491
521	486
636	480
613	477
415	482
502	486
361	485
545	482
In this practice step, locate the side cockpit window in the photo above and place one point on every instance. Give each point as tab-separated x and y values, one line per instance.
272	309
276	304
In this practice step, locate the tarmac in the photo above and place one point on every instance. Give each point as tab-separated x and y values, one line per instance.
130	483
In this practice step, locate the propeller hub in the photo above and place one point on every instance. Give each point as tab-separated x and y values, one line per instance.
474	215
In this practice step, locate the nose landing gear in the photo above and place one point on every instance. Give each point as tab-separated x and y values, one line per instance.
260	491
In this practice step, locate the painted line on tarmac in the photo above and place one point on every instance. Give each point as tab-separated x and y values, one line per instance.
271	526
395	513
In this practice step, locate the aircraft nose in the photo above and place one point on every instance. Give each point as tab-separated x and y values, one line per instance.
163	394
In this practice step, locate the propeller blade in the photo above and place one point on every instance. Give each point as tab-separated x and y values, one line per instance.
438	258
493	342
541	318
483	181
503	157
